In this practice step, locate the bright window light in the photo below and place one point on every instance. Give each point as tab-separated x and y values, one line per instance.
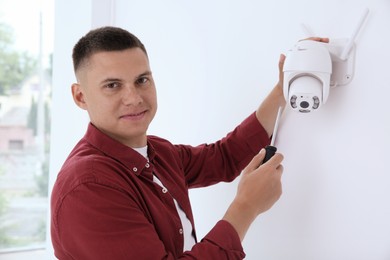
26	40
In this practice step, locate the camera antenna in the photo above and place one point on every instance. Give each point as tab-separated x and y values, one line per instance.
348	47
307	30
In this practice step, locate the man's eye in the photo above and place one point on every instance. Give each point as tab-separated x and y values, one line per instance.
142	80
112	85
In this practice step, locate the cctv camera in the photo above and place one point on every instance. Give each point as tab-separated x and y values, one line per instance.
305	93
311	68
307	70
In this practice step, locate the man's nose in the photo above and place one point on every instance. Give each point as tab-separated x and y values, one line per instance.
131	96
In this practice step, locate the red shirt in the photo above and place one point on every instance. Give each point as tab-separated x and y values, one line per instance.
104	205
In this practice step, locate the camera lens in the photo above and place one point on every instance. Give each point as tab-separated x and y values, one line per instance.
304	104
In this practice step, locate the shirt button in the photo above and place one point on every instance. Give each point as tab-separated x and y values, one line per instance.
135	169
164	190
147	165
181	231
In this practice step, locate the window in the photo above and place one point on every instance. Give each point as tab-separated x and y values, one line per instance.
15	145
25	97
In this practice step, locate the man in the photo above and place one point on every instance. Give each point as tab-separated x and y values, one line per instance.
122	194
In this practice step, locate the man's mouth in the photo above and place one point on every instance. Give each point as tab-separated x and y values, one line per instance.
133	116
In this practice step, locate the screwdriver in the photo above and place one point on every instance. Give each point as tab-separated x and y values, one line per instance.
270	150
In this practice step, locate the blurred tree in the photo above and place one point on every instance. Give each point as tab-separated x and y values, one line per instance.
15	66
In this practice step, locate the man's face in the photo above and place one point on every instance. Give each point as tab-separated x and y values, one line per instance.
117	90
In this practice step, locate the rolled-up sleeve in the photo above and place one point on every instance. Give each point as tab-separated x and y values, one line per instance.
208	164
222	242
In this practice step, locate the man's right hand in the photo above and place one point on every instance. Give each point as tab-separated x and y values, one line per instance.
258	190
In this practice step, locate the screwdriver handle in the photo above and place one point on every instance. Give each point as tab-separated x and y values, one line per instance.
269	152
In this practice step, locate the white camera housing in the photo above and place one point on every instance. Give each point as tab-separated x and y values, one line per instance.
307	71
311	68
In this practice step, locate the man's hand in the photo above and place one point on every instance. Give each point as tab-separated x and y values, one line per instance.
317	39
259	188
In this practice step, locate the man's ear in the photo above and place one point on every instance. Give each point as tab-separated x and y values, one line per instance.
78	96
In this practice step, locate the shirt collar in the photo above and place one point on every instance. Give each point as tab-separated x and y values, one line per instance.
120	152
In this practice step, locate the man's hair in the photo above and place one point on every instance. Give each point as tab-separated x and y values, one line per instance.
103	39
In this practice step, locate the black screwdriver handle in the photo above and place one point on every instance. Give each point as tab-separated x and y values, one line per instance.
269	152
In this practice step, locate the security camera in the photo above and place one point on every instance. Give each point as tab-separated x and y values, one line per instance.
307	71
311	68
305	93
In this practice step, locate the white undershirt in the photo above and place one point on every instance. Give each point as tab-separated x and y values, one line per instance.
189	240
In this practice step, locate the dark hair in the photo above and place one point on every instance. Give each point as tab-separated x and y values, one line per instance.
104	39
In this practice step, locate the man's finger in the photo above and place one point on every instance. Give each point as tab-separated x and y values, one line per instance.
255	162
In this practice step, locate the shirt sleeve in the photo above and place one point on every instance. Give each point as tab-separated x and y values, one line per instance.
96	224
223	160
224	240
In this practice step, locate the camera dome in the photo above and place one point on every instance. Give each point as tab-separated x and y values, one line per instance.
305	93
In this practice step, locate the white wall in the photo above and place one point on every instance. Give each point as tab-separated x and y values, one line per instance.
213	63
